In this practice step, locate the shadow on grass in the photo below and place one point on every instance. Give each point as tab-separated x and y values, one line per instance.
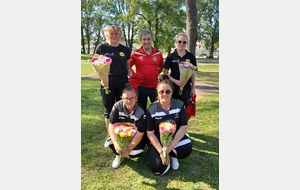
201	166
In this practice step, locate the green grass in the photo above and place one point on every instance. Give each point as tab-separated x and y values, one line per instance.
207	72
198	171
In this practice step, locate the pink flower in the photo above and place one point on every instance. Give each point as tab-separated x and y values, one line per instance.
163	129
94	59
133	133
173	129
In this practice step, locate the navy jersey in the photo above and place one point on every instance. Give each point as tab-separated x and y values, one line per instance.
119	113
119	56
156	114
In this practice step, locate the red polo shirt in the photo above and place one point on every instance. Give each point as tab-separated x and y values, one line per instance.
148	65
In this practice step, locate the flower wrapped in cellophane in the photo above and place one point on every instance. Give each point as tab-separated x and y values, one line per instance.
166	131
124	132
101	65
186	71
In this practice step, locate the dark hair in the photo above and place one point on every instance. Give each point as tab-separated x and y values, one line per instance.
164	79
129	88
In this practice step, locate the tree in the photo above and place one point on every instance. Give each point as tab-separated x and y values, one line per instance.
87	19
191	24
211	26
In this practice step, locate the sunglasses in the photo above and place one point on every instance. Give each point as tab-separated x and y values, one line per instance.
129	99
162	92
110	24
184	42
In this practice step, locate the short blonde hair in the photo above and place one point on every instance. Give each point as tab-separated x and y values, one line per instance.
182	34
110	29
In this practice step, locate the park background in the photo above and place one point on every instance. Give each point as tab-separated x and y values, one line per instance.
41	100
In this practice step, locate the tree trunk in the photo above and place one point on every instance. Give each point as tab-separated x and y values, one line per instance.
191	24
82	41
97	41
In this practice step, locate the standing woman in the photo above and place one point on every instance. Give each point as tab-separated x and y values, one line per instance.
163	109
119	69
180	54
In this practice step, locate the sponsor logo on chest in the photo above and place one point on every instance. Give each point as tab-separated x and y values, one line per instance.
175	61
109	54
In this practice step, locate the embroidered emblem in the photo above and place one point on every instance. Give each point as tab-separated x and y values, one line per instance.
122	54
154	58
187	60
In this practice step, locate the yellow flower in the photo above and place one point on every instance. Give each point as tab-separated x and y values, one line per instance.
122	134
129	133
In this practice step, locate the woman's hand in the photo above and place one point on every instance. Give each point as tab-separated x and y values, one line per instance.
126	153
178	83
118	149
193	91
169	148
162	159
104	84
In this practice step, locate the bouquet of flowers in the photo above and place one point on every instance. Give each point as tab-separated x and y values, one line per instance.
101	65
166	130
125	132
186	71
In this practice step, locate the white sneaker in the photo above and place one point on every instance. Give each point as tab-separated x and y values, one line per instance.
116	163
174	163
107	142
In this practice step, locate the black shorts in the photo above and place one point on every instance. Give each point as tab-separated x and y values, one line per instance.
116	85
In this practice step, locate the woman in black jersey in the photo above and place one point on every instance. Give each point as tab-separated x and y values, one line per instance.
163	109
180	54
119	70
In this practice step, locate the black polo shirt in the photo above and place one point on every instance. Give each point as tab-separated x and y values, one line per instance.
156	114
119	113
119	56
172	62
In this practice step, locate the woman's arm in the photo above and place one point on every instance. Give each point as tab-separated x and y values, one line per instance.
113	139
193	84
177	82
128	68
178	136
134	142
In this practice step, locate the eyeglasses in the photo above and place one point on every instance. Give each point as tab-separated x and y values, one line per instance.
110	24
129	99
162	92
184	42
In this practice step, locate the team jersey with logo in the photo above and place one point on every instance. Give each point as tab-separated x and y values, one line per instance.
156	114
172	62
119	113
119	56
147	65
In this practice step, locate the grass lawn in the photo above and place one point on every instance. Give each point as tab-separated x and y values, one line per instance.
198	171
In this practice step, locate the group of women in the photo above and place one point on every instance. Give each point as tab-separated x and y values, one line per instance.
121	104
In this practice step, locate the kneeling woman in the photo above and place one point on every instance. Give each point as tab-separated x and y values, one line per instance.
163	109
128	110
